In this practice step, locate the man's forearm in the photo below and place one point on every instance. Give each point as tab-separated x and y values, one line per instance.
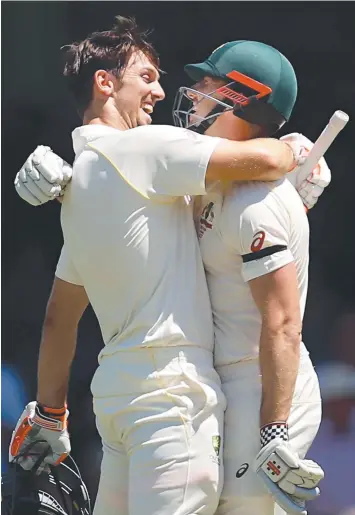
65	307
272	159
264	159
279	361
55	358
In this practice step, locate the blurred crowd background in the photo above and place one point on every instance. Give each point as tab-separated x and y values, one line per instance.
319	39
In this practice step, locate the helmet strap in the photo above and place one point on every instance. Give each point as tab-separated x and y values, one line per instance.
209	120
258	112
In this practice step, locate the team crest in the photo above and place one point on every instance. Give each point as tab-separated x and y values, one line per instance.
206	219
216	444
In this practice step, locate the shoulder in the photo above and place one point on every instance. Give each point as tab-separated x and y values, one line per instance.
254	196
149	138
164	132
169	134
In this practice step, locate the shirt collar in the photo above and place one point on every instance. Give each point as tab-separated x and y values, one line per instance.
87	133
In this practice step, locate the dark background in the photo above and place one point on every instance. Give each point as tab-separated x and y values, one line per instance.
319	40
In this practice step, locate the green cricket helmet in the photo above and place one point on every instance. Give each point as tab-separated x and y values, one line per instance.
261	87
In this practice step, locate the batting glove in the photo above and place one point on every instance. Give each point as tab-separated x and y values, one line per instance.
40	432
310	188
43	177
290	480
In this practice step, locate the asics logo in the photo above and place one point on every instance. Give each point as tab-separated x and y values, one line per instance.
242	470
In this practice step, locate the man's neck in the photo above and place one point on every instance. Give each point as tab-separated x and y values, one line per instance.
116	122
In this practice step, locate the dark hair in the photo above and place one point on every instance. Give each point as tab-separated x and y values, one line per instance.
109	50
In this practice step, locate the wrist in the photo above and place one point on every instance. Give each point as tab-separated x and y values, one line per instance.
48	410
269	432
50	397
54	419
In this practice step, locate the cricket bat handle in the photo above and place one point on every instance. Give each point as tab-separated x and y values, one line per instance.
336	123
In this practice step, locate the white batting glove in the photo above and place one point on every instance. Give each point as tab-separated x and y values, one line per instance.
290	480
40	431
43	177
311	188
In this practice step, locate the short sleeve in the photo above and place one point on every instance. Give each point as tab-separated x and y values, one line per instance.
160	160
66	270
258	231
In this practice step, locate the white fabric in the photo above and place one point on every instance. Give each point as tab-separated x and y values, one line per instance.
129	237
66	269
231	227
161	455
158	161
241	384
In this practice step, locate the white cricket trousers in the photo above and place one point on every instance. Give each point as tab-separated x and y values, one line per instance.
159	412
243	492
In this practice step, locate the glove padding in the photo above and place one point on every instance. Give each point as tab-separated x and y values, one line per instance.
290	480
37	435
43	177
309	189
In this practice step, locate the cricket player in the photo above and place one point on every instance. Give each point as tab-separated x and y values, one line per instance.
130	249
254	240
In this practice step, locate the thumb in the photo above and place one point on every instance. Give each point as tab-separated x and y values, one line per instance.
55	458
67	172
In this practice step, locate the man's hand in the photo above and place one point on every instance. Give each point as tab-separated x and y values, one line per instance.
40	431
43	177
311	188
290	480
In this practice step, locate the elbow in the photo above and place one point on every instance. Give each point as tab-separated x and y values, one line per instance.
275	168
288	329
279	160
54	322
292	334
52	315
50	324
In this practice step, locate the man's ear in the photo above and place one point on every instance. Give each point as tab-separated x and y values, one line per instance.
104	83
211	83
207	81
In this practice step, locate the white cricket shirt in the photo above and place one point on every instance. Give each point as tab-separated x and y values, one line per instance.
254	230
129	236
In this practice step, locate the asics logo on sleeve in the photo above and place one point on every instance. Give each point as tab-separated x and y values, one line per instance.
258	240
242	470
